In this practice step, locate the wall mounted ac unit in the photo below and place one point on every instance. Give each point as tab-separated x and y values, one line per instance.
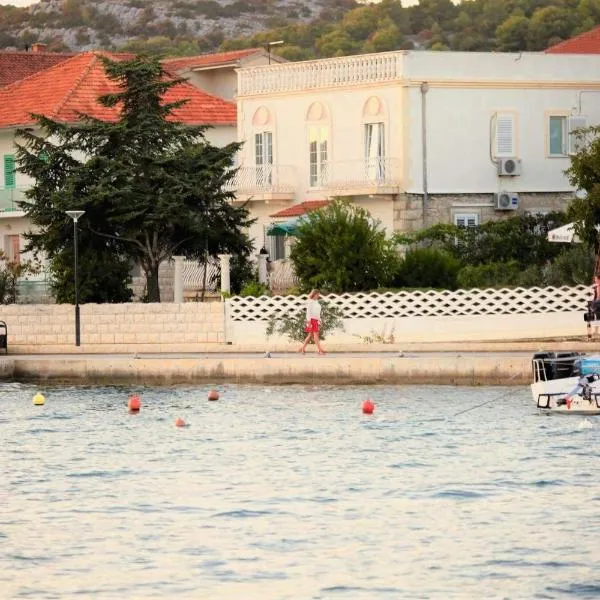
509	167
507	201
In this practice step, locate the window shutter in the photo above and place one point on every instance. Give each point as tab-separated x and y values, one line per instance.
9	171
504	145
466	219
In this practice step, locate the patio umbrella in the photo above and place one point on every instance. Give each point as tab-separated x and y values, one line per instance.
565	234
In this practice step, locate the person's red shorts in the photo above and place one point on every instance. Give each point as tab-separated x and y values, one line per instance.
312	326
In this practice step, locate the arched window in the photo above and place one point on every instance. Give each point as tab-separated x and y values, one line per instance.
374	134
317	119
262	124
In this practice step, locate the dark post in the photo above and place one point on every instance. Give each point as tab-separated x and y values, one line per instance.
77	321
75	214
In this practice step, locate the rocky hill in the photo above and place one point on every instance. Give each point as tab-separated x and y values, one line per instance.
110	24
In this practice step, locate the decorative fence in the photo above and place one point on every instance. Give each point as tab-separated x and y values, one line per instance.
282	276
505	301
193	275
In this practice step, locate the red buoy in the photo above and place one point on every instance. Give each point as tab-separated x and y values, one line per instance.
134	403
179	422
213	395
368	407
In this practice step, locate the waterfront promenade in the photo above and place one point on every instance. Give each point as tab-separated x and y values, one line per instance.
459	363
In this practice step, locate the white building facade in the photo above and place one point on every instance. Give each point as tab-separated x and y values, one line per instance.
416	138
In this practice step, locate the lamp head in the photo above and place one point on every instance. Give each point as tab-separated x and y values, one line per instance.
75	214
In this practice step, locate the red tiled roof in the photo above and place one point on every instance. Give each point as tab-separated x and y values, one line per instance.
18	65
72	87
207	60
585	43
300	209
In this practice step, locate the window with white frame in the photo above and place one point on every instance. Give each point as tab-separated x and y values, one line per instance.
318	138
558	135
263	156
466	219
504	131
375	151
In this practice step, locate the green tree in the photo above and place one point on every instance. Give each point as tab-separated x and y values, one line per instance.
548	25
341	249
584	174
151	186
49	159
512	35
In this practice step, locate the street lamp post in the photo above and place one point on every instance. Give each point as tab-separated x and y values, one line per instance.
269	44
75	214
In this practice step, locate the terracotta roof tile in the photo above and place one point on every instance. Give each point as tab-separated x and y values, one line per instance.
72	87
18	65
207	60
300	209
585	43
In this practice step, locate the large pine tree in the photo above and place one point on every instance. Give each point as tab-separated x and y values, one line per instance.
150	187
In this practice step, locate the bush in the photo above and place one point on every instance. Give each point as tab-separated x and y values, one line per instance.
492	275
254	288
293	325
428	267
339	248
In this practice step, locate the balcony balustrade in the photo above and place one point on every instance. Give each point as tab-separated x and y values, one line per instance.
335	72
8	201
354	177
264	182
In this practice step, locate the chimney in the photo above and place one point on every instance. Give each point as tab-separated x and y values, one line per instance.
38	47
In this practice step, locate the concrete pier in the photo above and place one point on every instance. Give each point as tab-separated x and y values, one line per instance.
340	369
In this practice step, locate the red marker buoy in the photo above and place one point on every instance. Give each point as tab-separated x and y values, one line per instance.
213	395
179	422
134	403
368	407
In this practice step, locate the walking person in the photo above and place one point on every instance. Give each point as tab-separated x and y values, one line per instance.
313	321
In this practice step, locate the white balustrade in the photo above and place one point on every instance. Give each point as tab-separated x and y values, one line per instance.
263	178
334	72
193	275
371	172
430	303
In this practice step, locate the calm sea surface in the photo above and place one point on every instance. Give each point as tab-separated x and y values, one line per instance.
277	493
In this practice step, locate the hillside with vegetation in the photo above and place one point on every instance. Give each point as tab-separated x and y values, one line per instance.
309	28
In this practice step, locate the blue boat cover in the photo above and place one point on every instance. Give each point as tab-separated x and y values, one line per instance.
589	365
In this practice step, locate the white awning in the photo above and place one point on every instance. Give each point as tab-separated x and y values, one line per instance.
563	234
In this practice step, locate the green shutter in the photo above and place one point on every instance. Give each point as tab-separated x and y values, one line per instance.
9	171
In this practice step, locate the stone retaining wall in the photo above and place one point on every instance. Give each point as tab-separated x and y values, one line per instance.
113	328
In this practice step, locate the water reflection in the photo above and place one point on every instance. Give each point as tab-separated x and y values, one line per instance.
290	492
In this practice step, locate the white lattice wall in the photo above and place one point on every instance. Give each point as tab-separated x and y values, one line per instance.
519	301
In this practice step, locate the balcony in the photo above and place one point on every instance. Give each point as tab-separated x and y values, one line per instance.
360	177
345	71
8	202
265	182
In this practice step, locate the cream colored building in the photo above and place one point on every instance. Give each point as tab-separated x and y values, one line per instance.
415	137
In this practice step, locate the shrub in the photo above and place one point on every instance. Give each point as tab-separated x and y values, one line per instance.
292	325
492	275
428	267
254	288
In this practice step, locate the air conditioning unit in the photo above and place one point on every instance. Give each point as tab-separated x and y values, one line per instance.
507	201
509	167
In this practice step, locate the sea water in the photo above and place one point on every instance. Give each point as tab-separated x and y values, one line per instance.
277	493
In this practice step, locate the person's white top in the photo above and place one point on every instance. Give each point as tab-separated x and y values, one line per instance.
313	310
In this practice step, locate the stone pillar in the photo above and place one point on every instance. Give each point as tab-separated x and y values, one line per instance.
225	280
178	280
262	268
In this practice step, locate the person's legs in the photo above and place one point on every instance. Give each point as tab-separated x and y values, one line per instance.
306	340
318	343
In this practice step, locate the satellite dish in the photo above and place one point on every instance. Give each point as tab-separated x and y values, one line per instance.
581	194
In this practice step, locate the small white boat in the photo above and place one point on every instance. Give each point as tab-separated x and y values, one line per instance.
566	383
